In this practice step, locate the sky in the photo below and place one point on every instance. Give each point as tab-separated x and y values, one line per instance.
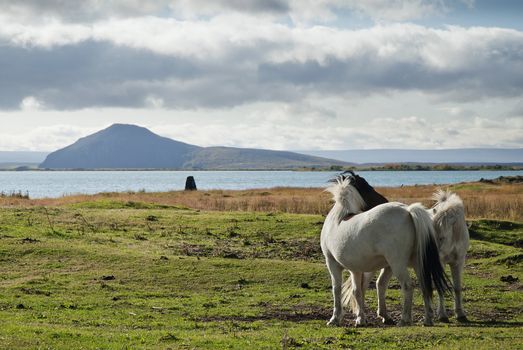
275	74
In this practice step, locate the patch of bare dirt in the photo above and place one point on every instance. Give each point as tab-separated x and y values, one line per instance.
498	317
298	313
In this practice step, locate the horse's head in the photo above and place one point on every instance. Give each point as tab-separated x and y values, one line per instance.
366	191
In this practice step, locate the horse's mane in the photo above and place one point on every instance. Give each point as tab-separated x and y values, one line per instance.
346	195
446	199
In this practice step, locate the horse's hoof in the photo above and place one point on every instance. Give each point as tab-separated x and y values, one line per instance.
360	322
463	319
444	319
333	323
387	321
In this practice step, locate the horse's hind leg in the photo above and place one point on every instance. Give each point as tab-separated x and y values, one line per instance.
335	271
456	269
442	310
402	274
427	302
381	287
357	294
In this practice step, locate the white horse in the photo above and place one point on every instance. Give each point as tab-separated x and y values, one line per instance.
390	235
448	216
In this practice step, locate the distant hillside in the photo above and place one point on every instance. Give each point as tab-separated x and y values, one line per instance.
248	158
457	156
17	165
123	146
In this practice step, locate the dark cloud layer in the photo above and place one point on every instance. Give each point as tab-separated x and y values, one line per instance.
87	74
95	74
90	10
365	75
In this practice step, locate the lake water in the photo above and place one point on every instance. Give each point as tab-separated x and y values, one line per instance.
41	184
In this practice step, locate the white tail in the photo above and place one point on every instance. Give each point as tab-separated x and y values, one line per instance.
431	272
347	294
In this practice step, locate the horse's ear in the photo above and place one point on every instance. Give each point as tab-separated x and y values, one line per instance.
337	178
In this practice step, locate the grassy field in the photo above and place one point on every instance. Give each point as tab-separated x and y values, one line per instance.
146	271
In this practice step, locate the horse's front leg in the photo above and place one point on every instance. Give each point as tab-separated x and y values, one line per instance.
456	269
381	288
357	294
335	271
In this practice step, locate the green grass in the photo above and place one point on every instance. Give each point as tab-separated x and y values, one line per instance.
504	232
119	276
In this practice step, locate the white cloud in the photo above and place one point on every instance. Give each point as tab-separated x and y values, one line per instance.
31	103
154	102
271	126
288	132
223	37
448	49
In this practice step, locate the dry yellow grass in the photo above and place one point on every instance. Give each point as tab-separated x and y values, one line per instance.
500	201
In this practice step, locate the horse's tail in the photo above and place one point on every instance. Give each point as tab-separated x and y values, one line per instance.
347	295
431	272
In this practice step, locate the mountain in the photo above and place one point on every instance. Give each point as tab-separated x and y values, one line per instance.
458	156
123	146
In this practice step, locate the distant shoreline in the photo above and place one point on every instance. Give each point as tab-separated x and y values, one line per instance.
385	167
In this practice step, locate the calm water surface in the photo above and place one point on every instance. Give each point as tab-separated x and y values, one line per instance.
41	184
